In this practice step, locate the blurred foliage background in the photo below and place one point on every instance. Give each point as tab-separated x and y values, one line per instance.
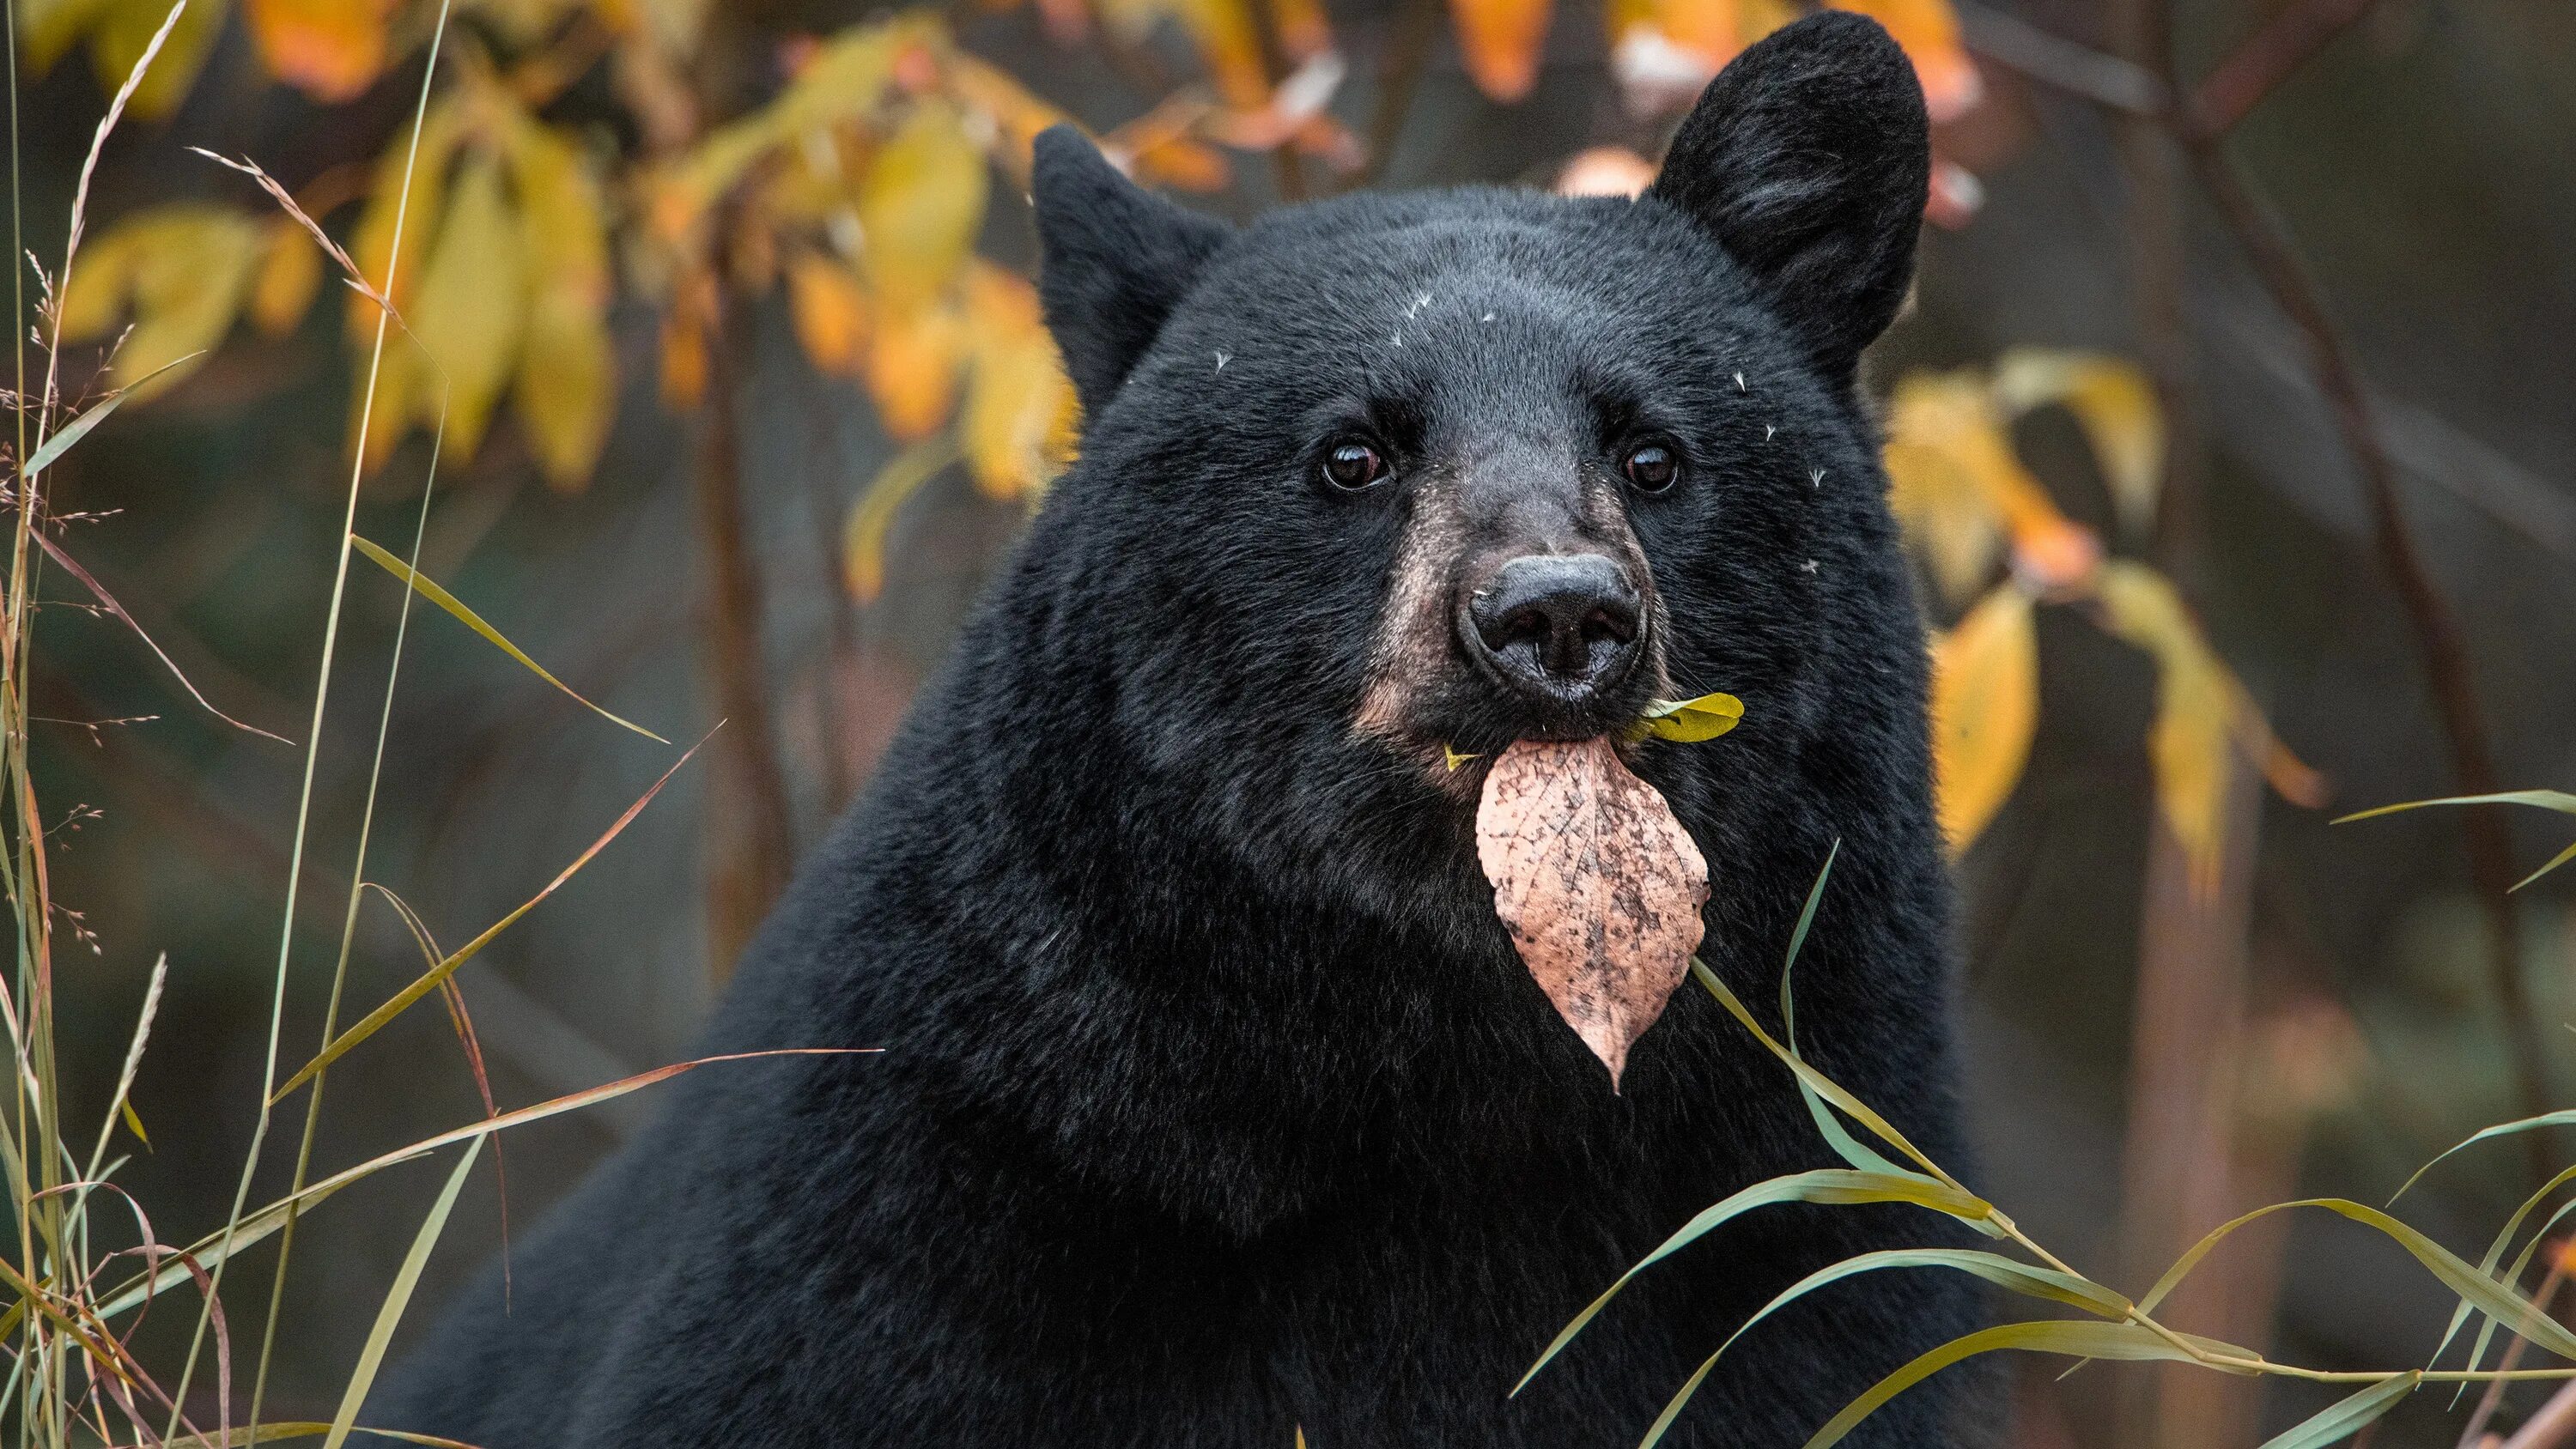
2233	421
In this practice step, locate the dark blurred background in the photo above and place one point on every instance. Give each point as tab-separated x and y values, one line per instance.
2144	1062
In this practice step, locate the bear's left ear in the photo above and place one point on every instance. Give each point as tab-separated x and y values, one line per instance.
1116	260
1809	157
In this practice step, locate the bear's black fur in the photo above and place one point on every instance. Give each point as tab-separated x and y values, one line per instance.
1215	1102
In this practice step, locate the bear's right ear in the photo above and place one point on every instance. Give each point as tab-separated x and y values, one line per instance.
1116	260
1809	158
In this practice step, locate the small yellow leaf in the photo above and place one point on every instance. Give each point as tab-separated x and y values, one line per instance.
565	386
913	357
1689	721
1453	757
133	1123
329	49
566	389
1499	41
829	308
1985	709
2204	717
920	206
2115	405
471	313
181	271
290	272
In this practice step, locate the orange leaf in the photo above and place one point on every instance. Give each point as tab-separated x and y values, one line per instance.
913	357
1228	37
329	49
1305	31
830	311
1599	885
1985	708
1500	42
1929	32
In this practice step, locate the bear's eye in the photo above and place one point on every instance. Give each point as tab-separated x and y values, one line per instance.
1353	465
1651	467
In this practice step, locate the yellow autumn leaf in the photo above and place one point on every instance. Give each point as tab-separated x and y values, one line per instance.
329	49
1929	32
828	307
471	312
2116	407
181	272
565	387
122	29
2204	717
1690	721
372	245
920	206
1985	709
1955	483
565	392
290	272
1019	407
913	357
1499	41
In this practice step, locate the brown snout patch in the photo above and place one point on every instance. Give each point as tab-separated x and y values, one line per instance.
1415	647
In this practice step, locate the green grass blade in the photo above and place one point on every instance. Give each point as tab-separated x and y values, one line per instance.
2346	1417
219	1247
1835	1185
2560	1118
78	428
2071	1337
2023	1278
371	1356
427	982
2558	800
2495	1255
428	589
1823	1085
1849	1148
2484	1293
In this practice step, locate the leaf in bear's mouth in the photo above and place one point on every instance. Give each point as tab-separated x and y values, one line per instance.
1689	721
1598	884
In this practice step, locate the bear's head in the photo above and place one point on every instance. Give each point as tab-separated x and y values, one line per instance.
1381	481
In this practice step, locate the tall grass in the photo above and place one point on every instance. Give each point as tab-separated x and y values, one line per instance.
74	1285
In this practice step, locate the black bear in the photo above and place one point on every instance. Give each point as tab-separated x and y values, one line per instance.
1215	1105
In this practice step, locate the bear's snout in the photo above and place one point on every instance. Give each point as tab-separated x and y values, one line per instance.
1559	629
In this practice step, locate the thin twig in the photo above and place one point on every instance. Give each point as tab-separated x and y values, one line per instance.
2541	1298
2270	56
2438	634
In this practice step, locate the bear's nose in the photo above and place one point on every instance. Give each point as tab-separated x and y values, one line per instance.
1561	626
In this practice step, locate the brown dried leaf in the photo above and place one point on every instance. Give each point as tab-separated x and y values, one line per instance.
1599	885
